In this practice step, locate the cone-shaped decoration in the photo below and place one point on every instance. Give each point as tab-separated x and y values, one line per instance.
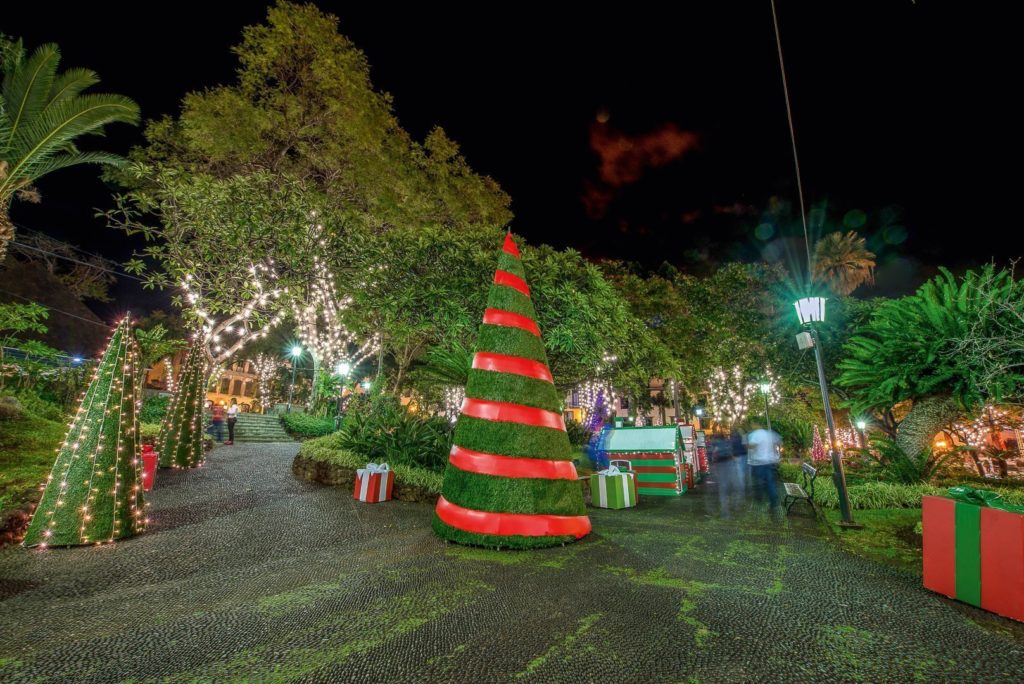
510	481
94	492
180	442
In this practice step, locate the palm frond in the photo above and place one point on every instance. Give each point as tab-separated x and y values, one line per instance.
27	86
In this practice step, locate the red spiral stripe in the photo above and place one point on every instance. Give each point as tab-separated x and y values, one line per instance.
508	319
511	524
509	466
503	412
511	280
516	365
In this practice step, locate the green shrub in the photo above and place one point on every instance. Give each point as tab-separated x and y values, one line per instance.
39	406
305	425
328	450
579	435
148	432
154	407
388	432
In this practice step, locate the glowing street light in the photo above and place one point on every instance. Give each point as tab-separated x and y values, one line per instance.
296	354
811	310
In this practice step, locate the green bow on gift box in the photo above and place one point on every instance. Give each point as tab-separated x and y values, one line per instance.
983	497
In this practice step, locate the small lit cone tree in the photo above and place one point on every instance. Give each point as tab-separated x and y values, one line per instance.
817	448
510	481
180	441
94	491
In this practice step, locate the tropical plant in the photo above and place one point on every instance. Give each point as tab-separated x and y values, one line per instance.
154	344
42	116
843	262
304	425
389	432
900	466
949	348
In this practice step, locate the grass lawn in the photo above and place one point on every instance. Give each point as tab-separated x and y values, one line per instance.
888	536
27	452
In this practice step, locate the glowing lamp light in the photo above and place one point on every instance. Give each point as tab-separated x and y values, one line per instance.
365	384
296	351
343	368
810	310
766	387
861	425
698	411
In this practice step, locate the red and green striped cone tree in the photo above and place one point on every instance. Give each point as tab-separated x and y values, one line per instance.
94	491
180	441
510	481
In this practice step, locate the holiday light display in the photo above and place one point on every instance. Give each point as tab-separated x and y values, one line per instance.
258	314
730	393
595	398
93	494
266	367
168	374
992	420
453	398
510	480
180	440
321	327
818	453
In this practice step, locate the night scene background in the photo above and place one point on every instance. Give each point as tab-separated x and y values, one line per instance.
628	133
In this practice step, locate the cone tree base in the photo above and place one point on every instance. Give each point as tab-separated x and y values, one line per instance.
493	541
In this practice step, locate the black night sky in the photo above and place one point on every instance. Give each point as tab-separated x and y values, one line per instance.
901	111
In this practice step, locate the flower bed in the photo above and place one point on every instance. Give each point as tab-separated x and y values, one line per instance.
321	460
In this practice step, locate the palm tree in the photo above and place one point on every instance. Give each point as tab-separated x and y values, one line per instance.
844	262
42	114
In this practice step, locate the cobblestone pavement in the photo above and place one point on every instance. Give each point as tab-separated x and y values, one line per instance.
250	575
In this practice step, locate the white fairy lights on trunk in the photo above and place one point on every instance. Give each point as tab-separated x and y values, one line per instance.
267	367
321	328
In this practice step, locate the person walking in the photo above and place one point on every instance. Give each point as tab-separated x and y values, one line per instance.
232	418
217	422
763	457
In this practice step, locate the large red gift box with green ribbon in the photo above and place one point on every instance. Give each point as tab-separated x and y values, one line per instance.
975	554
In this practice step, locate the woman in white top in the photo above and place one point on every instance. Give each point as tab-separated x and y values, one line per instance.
232	417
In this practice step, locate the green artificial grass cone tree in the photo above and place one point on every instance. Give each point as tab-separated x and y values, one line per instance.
510	481
180	442
94	491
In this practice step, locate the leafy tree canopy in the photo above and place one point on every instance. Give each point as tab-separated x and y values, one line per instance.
304	107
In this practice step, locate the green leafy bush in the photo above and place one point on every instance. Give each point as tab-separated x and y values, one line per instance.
386	431
154	407
305	425
900	466
329	450
579	435
148	432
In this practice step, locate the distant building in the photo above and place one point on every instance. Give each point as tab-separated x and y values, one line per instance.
237	381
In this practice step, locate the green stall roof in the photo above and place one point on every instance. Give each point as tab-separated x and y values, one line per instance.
656	440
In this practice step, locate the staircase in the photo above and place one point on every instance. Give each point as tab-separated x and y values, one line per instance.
254	427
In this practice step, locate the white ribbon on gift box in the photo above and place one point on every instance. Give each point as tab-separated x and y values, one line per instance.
364	480
602	485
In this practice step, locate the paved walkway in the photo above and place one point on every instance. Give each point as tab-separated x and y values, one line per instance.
250	575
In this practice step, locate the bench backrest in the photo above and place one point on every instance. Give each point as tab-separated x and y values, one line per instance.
621	464
810	473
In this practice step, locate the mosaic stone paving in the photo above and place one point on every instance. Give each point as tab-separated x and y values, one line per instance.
249	575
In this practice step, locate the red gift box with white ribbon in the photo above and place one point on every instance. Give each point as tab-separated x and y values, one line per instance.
374	483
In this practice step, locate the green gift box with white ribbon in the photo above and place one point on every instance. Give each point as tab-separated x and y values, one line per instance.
612	488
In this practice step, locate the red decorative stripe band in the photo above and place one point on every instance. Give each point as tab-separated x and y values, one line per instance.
510	246
654	469
510	466
503	412
511	280
510	320
511	524
516	365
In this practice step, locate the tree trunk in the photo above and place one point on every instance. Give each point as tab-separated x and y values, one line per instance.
926	419
6	230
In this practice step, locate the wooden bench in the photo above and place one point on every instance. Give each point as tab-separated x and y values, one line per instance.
797	492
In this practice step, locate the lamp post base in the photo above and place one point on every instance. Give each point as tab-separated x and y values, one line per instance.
850	525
